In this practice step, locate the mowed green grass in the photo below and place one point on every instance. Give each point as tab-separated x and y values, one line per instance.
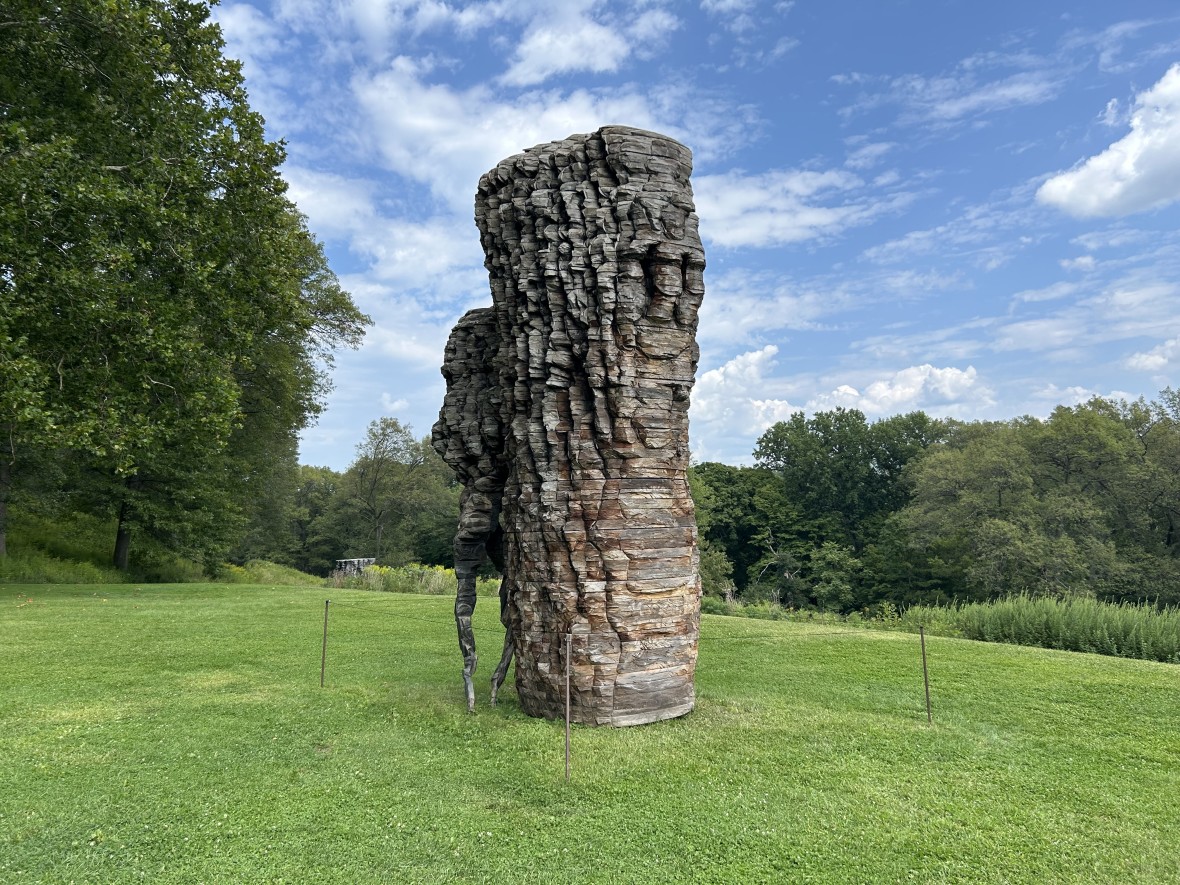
179	734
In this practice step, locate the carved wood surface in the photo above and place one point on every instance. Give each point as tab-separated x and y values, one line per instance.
569	396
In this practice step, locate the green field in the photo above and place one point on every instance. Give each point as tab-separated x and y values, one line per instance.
179	734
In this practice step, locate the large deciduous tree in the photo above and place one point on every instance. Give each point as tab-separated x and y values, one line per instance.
165	315
837	480
399	501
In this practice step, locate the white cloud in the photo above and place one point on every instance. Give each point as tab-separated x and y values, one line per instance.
392	406
726	7
1140	171
954	97
868	155
336	206
1111	114
908	283
651	30
784	206
949	343
567	42
1082	262
945	391
742	306
987	234
249	34
1047	398
440	255
447	138
415	347
1112	238
1053	292
731	402
1060	335
1128	309
1157	359
735	14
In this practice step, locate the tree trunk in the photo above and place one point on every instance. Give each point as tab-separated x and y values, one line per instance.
122	541
5	483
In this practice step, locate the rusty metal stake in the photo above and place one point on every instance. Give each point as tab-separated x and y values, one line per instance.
925	673
324	653
569	644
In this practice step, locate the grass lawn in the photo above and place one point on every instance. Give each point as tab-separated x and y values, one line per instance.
179	734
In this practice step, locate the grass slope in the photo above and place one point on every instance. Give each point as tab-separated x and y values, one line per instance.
179	734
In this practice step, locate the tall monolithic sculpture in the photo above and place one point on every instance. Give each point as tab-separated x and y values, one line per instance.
566	418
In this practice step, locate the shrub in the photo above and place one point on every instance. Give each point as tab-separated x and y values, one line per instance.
1130	630
260	571
432	580
714	605
35	567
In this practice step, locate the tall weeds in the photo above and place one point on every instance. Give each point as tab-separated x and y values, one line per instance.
433	580
1124	630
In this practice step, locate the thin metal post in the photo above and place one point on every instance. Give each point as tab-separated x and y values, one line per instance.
925	673
569	644
324	653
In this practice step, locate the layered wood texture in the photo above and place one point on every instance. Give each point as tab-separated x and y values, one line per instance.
571	394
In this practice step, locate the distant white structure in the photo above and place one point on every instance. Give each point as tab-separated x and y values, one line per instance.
346	567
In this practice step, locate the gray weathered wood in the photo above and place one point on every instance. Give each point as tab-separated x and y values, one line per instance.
566	419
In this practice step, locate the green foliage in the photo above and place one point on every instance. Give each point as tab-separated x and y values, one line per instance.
716	570
37	567
830	484
199	746
50	548
843	473
1082	504
433	580
166	318
398	502
1087	625
259	571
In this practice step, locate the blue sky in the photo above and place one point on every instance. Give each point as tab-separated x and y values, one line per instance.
963	207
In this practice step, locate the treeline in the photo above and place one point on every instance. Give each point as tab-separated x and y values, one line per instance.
167	321
840	514
397	502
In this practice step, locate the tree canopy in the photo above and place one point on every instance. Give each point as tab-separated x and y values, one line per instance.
844	514
166	318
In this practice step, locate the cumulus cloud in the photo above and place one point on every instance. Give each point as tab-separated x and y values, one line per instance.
735	404
942	390
785	206
335	205
416	347
1157	359
1140	171
427	255
1048	397
249	34
392	405
571	41
731	402
447	137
